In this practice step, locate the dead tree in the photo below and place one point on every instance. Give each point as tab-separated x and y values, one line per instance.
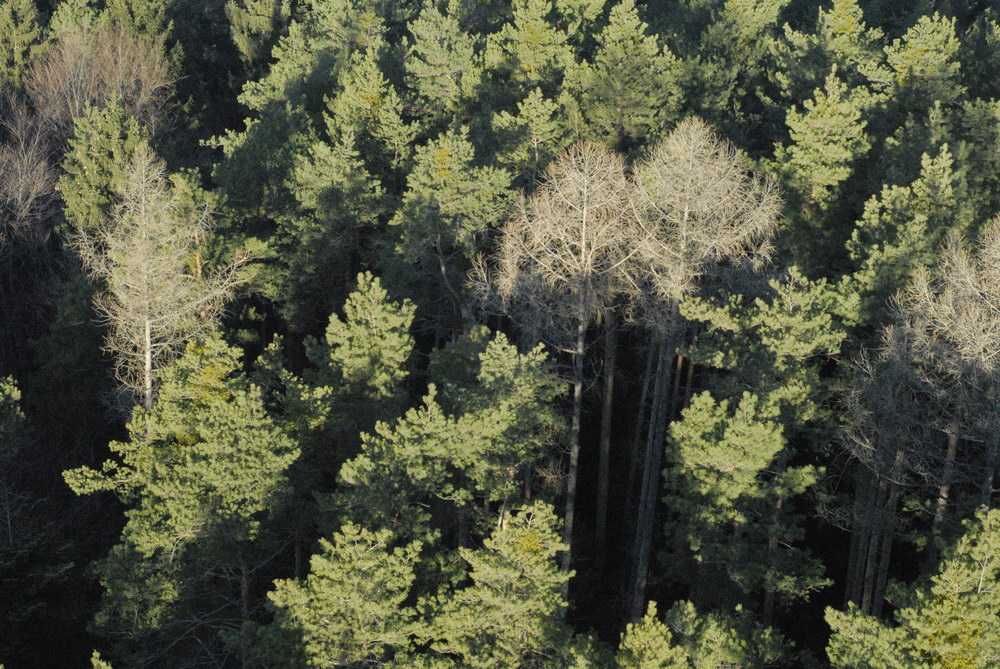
153	301
559	262
700	205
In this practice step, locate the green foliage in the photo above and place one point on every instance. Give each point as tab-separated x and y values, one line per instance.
529	138
649	644
717	640
630	92
828	139
202	471
350	609
474	444
441	64
103	145
950	622
20	36
925	63
529	52
902	229
256	25
510	615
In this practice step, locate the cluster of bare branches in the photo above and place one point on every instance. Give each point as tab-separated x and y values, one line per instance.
92	65
156	296
923	413
28	198
596	233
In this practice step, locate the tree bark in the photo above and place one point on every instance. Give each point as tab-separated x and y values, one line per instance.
148	366
650	480
600	523
944	491
574	448
640	421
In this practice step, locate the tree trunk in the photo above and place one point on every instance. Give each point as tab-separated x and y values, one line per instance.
871	554
986	485
574	448
944	491
888	523
600	523
640	420
148	365
767	615
649	487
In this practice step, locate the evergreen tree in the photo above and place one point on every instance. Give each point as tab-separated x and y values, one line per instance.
96	164
449	203
630	92
255	26
511	613
20	36
350	609
902	229
528	139
442	64
649	644
925	64
949	620
203	470
828	140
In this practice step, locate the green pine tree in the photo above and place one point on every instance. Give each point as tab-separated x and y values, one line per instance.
202	472
20	37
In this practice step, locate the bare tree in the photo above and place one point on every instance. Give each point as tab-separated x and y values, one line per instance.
27	178
91	65
144	253
560	260
700	206
923	414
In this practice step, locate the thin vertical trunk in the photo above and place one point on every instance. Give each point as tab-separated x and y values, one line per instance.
610	346
772	551
650	480
640	420
244	608
148	365
944	491
574	448
857	533
888	532
986	485
871	554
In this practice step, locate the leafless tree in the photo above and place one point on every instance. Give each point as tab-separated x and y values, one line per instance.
144	253
700	206
560	260
931	390
92	65
27	177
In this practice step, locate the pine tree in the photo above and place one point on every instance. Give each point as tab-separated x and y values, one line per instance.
649	644
951	620
448	205
20	36
350	608
511	613
529	52
630	92
828	139
255	26
528	139
925	64
202	471
103	146
442	64
903	227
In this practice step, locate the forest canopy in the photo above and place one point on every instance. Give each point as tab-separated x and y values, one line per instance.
514	334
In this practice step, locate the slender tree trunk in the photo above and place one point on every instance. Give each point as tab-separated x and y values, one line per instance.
986	485
574	447
858	525
640	421
649	487
871	554
148	365
888	533
244	608
767	615
944	491
610	346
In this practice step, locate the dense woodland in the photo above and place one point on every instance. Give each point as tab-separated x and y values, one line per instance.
500	333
